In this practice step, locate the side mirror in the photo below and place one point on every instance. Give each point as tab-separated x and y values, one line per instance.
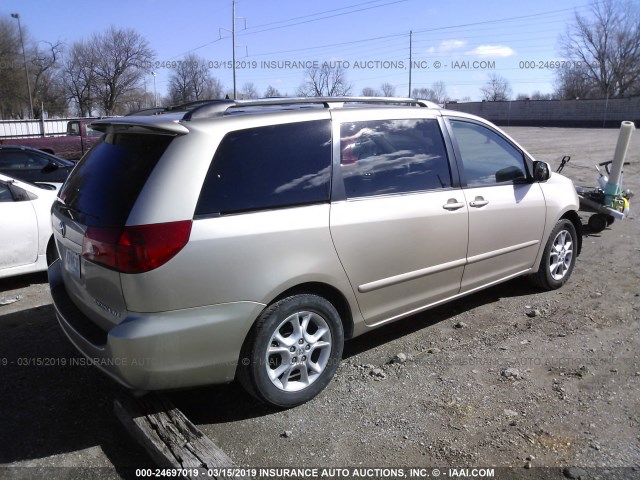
49	167
21	195
510	174
541	171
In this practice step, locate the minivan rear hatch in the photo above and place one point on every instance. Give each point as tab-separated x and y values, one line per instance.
92	210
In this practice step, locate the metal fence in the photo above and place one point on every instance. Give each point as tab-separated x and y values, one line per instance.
33	128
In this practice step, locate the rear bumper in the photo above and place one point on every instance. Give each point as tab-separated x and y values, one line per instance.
159	351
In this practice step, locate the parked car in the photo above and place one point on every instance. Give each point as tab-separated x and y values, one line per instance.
249	239
31	165
26	242
79	138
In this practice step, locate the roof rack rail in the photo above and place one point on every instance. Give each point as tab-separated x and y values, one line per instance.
219	107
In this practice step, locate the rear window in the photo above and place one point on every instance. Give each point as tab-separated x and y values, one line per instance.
269	167
105	184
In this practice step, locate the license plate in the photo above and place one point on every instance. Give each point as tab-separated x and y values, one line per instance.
72	263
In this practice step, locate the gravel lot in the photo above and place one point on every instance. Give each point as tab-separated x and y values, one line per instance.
509	377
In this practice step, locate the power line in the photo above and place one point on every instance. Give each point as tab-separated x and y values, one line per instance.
330	45
424	31
507	19
314	14
298	23
324	18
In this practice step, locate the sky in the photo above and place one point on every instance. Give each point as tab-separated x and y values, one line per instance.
458	42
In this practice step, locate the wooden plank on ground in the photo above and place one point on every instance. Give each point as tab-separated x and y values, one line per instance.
169	436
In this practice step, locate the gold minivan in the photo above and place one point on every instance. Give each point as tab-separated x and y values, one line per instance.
249	239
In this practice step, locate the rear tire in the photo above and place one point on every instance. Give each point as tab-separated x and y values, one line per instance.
559	257
292	352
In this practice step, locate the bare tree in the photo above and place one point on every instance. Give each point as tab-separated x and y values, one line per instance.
607	45
496	89
388	90
249	91
44	80
79	78
12	79
439	92
47	87
423	93
272	92
121	57
370	92
327	80
190	81
214	88
574	82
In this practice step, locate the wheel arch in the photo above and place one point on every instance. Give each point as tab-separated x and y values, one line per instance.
574	218
330	293
51	251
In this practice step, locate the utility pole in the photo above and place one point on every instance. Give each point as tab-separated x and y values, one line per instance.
24	57
410	59
155	92
233	44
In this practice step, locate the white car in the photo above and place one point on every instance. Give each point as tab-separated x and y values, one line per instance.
26	241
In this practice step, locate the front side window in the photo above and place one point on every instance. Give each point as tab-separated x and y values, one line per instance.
35	161
269	167
392	156
488	159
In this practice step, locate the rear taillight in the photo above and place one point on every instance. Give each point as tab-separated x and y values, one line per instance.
136	249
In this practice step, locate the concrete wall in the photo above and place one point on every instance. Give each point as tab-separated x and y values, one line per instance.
556	113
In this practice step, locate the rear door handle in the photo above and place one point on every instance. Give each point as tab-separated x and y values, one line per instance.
479	202
453	204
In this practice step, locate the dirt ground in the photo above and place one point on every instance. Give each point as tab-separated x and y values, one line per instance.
530	380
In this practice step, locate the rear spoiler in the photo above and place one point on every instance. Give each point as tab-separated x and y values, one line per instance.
167	126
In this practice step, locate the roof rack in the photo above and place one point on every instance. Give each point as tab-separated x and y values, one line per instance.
215	108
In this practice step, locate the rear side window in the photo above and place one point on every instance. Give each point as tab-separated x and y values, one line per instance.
392	156
105	184
269	167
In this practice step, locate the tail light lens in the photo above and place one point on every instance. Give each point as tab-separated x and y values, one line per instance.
136	249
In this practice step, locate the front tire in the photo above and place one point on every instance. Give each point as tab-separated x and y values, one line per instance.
559	257
293	351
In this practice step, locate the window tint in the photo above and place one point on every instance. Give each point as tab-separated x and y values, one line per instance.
105	184
35	161
10	160
269	167
488	159
92	133
22	160
73	128
5	193
392	156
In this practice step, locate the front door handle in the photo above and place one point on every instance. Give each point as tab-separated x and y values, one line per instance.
453	204
479	202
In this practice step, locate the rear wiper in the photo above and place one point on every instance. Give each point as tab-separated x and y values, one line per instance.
71	211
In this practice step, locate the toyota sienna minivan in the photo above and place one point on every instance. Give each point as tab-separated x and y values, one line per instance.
250	239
